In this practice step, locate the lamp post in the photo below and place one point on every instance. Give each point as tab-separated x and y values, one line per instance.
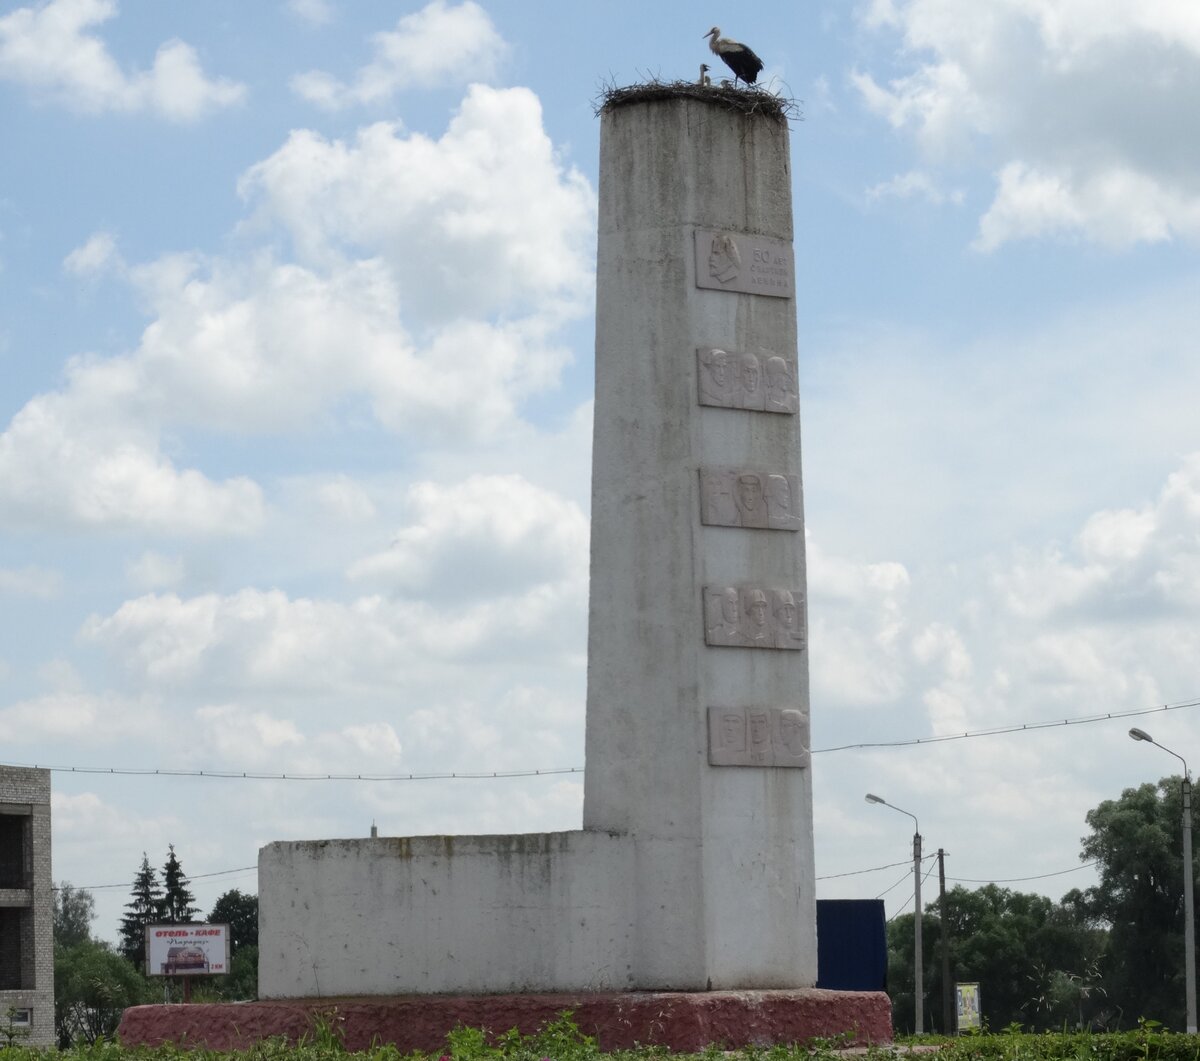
918	984
1189	924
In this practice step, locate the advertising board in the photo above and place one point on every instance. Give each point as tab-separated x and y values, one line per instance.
187	950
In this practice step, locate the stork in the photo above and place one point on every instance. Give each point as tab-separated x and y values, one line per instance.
735	55
704	78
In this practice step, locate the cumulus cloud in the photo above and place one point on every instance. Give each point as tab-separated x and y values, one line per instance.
95	256
441	41
856	663
409	250
153	570
486	216
1142	561
50	50
69	458
76	716
314	12
489	535
914	184
29	582
1086	110
265	641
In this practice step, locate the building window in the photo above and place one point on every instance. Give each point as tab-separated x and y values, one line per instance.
13	923
15	863
21	1018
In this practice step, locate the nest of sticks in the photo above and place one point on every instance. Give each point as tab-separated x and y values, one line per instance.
746	100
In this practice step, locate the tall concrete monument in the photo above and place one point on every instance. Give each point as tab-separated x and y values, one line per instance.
697	710
693	872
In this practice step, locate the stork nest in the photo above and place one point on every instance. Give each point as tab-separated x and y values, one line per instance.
747	100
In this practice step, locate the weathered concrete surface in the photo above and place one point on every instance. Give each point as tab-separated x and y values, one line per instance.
619	1021
433	914
725	893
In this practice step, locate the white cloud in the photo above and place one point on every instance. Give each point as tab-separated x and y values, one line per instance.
68	457
914	184
856	663
1086	106
489	535
426	48
486	217
314	12
153	570
50	50
30	582
95	256
75	717
307	648
410	246
1144	561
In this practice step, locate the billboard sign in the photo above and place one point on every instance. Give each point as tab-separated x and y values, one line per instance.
968	1006
187	950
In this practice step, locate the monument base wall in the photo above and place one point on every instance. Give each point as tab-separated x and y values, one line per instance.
438	914
679	1021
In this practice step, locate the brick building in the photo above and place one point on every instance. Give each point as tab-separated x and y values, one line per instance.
26	904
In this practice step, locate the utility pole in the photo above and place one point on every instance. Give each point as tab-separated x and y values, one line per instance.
948	1027
918	985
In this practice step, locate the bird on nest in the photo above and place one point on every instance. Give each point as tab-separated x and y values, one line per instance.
740	58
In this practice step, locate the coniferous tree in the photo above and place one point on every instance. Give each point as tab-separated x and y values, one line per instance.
177	900
144	908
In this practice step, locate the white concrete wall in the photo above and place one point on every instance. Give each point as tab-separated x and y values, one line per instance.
430	914
725	891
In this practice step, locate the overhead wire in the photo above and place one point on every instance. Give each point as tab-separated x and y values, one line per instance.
488	775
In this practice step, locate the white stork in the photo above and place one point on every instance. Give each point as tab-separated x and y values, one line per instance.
735	55
704	78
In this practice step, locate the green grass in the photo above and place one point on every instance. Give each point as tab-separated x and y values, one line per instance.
561	1040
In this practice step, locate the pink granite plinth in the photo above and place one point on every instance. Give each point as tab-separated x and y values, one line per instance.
683	1021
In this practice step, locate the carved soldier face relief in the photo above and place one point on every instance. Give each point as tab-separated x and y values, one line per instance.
760	728
750	374
791	730
758	608
733	732
731	607
750	494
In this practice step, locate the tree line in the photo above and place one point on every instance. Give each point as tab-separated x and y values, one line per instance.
1100	958
94	982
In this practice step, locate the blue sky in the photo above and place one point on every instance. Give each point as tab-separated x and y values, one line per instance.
295	380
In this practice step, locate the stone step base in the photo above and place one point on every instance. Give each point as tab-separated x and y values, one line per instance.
683	1021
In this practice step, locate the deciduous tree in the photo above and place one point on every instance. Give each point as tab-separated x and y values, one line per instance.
93	985
240	912
74	912
1138	842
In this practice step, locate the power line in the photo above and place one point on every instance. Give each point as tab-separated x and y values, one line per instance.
1016	728
128	884
488	775
859	872
249	775
1019	880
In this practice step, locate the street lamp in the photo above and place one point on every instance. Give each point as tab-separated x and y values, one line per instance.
1189	915
918	985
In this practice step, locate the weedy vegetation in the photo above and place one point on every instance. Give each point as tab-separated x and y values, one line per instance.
562	1040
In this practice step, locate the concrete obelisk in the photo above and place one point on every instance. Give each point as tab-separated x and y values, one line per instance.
697	711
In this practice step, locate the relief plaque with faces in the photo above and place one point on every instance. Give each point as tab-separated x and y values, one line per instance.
731	379
754	617
749	497
757	736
